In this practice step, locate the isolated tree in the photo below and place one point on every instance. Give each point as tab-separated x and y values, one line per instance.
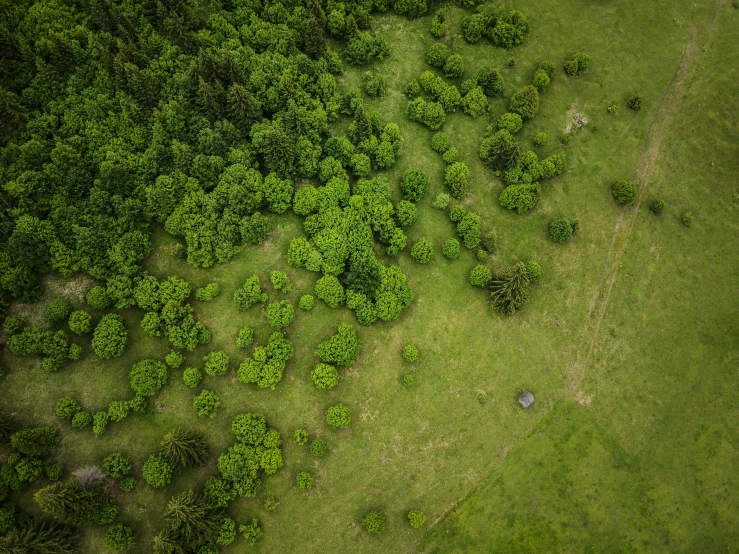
508	289
185	449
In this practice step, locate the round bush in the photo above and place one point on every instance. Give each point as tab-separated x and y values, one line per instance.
455	177
688	219
245	337
416	519
306	302
540	139
657	206
80	420
116	465
305	481
66	407
410	353
635	102
408	380
533	271
454	66
13	325
127	484
216	363
451	249
119	538
174	359
422	251
57	310
206	403
318	447
338	416
525	102
482	255
437	54
541	80
328	288
301	436
406	213
110	336
147	377
560	229
480	276
157	471
510	122
373	522
624	192
80	322
97	298
450	156
440	142
415	185
442	201
192	377
280	314
325	376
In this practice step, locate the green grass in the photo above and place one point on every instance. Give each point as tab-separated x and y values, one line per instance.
641	455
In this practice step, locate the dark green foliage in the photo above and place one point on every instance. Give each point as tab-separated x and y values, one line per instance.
80	322
560	229
375	84
577	64
66	407
431	114
119	538
373	522
533	271
304	481
70	503
147	377
504	28
40	537
480	276
416	519
249	294
174	359
206	403
500	151
414	185
468	225
525	102
437	54
634	102
508	289
157	471
12	325
438	24
191	523
325	376
116	465
192	377
35	441
57	310
127	484
364	47
216	363
521	198
454	66
185	449
422	251
338	416
318	447
657	206
343	348
624	192
475	102
110	337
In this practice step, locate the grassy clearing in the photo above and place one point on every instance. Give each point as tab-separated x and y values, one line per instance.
657	399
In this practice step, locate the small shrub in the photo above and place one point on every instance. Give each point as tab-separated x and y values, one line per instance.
540	139
480	276
451	249
57	310
533	270
305	481
280	281
450	156
657	206
440	142
318	447
328	288
525	102
271	504
306	302
245	337
338	416
406	213
99	423
80	322
116	465
510	122
97	298
252	532
325	376
280	314
67	407
192	377
454	66
216	363
206	403
301	436
375	84
688	219
624	192
560	229
482	255
442	201
119	538
416	519
422	251
208	292
541	80
408	380
80	420
634	102
157	471
373	522
147	377
456	177
174	359
410	353
437	54
577	64
415	185
12	325
127	484
412	89
110	337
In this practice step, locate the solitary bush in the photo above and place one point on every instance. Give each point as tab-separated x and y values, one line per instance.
437	54
688	219
521	198
116	465
375	84
422	251
174	359
328	288
408	380
541	80
318	447
249	294
454	66
415	184
306	302
280	281
127	484
147	377
80	322
206	403
280	314
325	376
456	177
110	336
442	201
451	249
533	270
624	192
480	276
540	139
338	416
119	538
410	353
216	363
440	142
373	522
635	102
482	255
57	310
525	102
192	377
416	519
208	292
577	64
252	532
157	471
66	407
560	229
97	298
305	481
99	423
301	436
657	206
510	122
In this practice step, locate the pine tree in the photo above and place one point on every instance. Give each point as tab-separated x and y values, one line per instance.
40	537
243	107
185	449
192	522
315	41
508	289
68	502
364	273
361	128
210	96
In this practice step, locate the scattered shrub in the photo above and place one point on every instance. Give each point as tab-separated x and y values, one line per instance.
408	380
405	213
540	139
480	276
157	471
206	403
325	376
500	151
439	142
508	289
252	532
541	80
442	201
577	64
301	436
456	177
119	538
412	89
216	363
57	310
12	325
80	420
624	192
373	522
249	294
174	359
438	25
192	377
437	54
635	102
280	314
280	281
451	249
525	102
110	337
147	377
450	156
185	449
66	407
416	519
521	198
343	348
306	302
305	481
99	423
415	184
560	229
688	219
116	465
657	206
410	353
127	484
80	322
208	292
482	255
422	251
533	271
375	84
510	122
338	416
318	447
454	66
97	298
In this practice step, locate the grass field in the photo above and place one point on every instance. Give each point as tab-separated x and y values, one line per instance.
630	341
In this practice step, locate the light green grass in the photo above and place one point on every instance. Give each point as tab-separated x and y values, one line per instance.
660	397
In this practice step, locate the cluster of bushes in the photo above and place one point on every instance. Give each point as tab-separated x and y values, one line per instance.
503	27
575	66
54	347
249	294
28	460
267	363
168	313
208	292
180	449
468	225
318	447
343	348
375	84
117	466
374	522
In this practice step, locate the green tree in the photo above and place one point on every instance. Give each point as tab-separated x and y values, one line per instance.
119	538
185	449
110	337
157	471
373	522
508	289
280	314
325	376
343	348
338	416
422	251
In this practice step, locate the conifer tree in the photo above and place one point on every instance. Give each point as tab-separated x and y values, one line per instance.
508	289
185	449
